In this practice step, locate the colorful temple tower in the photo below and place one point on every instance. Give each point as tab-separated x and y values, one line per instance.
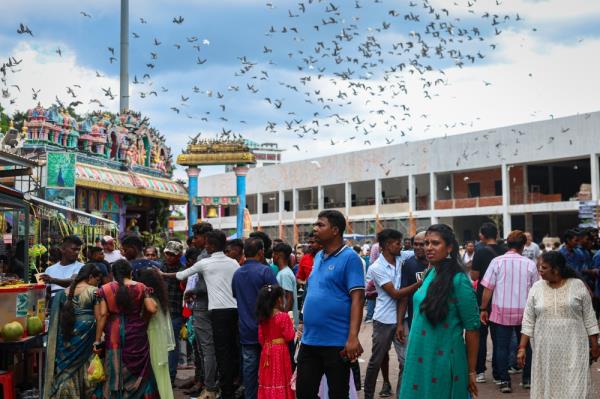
112	165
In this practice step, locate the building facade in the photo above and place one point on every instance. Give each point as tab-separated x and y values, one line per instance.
529	176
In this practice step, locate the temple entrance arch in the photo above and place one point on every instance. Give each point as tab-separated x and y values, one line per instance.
217	152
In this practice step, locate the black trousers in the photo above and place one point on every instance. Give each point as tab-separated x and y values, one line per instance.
226	337
313	362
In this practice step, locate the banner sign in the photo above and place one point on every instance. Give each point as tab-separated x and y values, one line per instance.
589	214
215	201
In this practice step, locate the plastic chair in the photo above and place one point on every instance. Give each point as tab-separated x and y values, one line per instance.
8	384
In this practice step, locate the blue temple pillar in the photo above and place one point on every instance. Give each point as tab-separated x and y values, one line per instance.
192	173
240	172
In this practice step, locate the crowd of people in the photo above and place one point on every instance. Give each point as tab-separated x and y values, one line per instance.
268	320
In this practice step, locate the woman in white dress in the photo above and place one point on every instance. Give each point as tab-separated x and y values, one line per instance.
560	321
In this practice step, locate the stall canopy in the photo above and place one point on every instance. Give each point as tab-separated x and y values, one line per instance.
82	217
12	165
129	183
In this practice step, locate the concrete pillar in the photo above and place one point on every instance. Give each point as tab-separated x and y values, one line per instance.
412	193
193	173
295	201
280	205
378	199
433	197
594	173
529	222
506	222
347	199
240	178
320	199
259	207
525	184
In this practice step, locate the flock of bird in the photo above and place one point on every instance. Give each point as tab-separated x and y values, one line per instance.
341	76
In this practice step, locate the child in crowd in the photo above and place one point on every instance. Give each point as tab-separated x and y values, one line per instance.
275	330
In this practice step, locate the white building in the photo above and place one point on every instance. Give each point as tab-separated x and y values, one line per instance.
266	154
527	176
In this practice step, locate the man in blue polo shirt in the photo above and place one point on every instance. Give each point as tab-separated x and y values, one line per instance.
247	282
386	273
332	312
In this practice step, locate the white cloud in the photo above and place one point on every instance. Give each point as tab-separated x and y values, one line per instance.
531	10
42	69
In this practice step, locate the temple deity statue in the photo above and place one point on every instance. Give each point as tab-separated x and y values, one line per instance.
141	152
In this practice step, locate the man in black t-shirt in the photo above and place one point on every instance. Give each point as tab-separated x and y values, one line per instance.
410	268
485	252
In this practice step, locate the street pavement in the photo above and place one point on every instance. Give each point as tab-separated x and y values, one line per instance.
486	391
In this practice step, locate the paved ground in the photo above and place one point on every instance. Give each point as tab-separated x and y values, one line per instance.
487	390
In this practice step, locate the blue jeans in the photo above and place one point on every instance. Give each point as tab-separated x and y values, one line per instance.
250	362
370	309
482	352
177	322
502	340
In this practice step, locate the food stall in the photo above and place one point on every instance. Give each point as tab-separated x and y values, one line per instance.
30	226
52	222
22	305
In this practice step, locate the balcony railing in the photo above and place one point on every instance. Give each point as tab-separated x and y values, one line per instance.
468	202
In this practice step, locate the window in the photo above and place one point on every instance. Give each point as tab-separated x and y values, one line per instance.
498	187
474	190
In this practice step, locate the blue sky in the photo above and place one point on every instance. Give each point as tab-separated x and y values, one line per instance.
543	63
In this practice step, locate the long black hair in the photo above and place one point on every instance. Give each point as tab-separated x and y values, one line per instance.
121	269
67	314
435	304
267	300
557	261
150	277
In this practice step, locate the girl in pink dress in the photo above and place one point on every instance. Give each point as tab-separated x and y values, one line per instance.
275	331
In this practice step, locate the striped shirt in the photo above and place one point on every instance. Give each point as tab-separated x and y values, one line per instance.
510	276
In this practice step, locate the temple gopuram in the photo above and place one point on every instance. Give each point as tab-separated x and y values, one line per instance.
111	165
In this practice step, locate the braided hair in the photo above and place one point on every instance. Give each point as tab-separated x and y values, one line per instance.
67	314
121	269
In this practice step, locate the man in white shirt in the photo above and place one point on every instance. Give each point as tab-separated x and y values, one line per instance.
531	249
60	274
218	271
110	253
386	273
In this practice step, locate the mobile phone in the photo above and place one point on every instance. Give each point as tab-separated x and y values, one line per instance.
419	276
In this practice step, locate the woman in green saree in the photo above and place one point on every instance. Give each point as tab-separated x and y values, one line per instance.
160	331
444	336
71	337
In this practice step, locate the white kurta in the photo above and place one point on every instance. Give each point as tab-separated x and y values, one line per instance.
559	322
